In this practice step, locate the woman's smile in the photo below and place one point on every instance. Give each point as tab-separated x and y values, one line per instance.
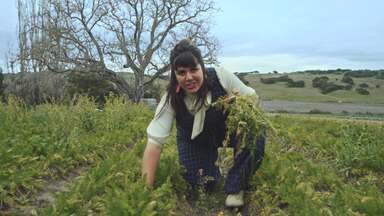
190	79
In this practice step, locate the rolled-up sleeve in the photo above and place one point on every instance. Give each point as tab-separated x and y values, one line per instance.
160	127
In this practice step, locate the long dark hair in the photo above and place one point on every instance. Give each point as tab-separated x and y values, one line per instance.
186	54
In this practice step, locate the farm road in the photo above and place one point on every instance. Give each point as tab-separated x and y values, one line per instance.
303	107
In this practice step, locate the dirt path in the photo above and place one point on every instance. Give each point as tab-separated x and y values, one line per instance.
304	107
46	197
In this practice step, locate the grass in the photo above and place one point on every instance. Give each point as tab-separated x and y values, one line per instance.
314	166
279	91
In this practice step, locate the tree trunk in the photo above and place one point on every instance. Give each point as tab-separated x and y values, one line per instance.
139	86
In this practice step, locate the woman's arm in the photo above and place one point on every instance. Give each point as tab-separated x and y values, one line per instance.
158	131
151	159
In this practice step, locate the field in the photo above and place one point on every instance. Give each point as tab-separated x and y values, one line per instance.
78	160
279	91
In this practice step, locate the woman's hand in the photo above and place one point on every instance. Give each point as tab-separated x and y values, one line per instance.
151	159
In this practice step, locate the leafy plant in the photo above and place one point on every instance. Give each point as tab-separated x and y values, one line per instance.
245	120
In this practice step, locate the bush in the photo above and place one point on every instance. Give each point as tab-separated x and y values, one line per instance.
267	80
319	81
273	80
363	85
153	91
316	111
347	79
36	88
362	91
41	87
330	87
92	84
327	87
348	87
380	75
296	84
377	86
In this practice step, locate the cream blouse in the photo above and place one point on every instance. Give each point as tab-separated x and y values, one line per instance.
161	125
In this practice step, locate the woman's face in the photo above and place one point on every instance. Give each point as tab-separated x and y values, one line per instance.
190	79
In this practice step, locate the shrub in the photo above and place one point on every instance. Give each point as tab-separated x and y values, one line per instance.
92	84
380	75
296	84
377	86
316	111
362	91
330	87
347	79
327	87
363	85
348	87
267	80
153	91
319	81
273	80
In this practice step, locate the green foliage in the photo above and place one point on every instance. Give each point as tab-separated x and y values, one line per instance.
296	84
347	79
361	147
317	111
272	80
91	84
362	91
363	85
246	120
153	91
48	141
318	82
325	86
304	172
320	72
312	166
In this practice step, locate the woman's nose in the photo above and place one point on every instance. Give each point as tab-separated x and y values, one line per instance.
188	75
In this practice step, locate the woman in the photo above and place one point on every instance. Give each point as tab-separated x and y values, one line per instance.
200	127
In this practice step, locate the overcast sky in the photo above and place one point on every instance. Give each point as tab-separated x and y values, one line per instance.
280	35
300	34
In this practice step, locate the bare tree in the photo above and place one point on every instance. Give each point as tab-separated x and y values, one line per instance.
65	34
70	34
22	32
145	31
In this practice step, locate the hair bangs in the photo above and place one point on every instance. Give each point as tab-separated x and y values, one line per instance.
185	59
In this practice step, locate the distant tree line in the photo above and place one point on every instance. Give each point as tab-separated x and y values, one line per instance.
378	74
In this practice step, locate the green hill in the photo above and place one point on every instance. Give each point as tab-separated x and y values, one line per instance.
280	91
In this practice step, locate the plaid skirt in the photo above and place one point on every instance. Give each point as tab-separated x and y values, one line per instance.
198	159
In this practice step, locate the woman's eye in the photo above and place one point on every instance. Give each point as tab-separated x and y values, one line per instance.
180	73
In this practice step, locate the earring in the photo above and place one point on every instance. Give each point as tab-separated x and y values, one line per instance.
177	88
